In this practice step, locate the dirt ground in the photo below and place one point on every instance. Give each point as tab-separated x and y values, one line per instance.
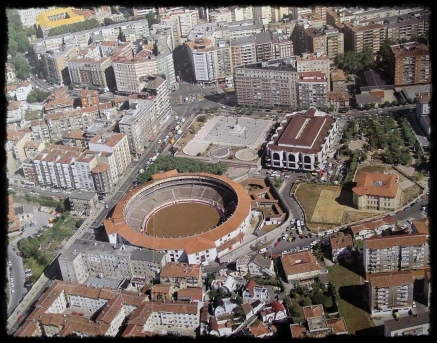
173	220
197	126
327	206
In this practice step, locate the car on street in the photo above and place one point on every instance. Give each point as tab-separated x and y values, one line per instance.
275	288
277	243
414	304
291	239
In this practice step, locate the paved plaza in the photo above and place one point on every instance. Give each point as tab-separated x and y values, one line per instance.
230	131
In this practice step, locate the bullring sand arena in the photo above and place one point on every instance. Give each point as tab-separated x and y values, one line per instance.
180	212
168	221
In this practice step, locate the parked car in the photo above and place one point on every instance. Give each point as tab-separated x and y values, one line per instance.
277	243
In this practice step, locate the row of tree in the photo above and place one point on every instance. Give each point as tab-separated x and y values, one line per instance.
354	62
182	165
409	137
76	27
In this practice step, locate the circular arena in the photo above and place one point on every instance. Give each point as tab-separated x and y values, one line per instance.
174	212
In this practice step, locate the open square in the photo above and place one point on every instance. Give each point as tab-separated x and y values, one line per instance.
230	131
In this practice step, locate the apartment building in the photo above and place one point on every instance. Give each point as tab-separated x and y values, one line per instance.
31	148
101	126
302	141
79	119
88	71
359	37
131	74
82	171
89	98
105	312
263	46
245	28
423	110
278	13
87	258
83	202
40	130
262	12
390	291
56	62
377	191
139	125
102	176
395	253
410	64
340	245
15	149
15	111
243	51
413	325
282	46
53	166
316	325
157	88
58	101
19	91
116	144
314	62
181	274
164	60
338	81
220	15
372	228
312	89
223	60
297	12
241	13
28	15
334	42
268	83
300	266
403	27
184	20
201	53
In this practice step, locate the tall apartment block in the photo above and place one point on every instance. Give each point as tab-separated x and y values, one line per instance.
269	83
56	62
358	37
202	56
138	125
312	89
131	73
410	64
115	144
314	62
390	291
395	253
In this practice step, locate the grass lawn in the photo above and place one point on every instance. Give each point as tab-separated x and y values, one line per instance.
30	115
348	285
32	264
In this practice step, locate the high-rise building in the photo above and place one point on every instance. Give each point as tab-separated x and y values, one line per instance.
202	56
358	37
395	253
312	88
138	124
243	51
314	62
267	83
56	62
117	145
90	71
409	64
131	74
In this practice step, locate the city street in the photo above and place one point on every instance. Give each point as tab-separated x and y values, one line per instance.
18	276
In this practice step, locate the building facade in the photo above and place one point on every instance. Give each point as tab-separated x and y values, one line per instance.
395	253
377	191
302	141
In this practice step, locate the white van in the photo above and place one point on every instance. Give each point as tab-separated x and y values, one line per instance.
262	251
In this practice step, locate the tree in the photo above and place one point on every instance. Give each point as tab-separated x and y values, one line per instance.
318	298
239	300
28	247
295	311
108	21
318	253
79	222
21	67
306	302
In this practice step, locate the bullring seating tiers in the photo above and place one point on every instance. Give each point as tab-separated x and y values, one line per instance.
145	202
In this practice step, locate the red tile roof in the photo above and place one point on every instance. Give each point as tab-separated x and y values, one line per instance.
387	242
391	279
384	185
300	262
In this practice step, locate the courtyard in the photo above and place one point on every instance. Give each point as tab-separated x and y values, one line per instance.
326	206
222	135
